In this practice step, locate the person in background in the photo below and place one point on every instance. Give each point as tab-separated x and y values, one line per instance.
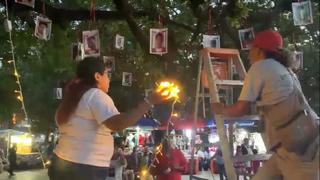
291	125
220	164
12	159
86	118
171	162
246	150
118	162
239	165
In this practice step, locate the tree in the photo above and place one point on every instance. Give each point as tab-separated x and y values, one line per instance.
43	64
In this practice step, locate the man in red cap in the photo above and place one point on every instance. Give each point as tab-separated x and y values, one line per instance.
291	126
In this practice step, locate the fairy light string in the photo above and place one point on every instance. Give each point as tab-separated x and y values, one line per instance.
20	95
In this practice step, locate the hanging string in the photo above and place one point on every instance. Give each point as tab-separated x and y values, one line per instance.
20	96
92	13
209	21
160	21
43	8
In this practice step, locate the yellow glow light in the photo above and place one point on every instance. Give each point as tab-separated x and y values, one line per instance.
20	98
175	114
172	90
144	172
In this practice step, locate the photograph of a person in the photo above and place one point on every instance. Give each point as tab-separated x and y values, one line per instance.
91	43
77	51
29	3
119	44
159	41
126	79
297	60
43	28
302	13
58	93
109	62
246	37
211	41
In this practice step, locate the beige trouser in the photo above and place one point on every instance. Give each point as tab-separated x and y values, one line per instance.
289	166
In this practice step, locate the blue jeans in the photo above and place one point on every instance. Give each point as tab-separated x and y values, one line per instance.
65	170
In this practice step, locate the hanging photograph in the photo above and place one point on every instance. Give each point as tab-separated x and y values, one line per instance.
119	44
43	28
109	63
91	43
58	93
246	37
302	13
159	41
126	79
297	60
29	3
77	51
211	41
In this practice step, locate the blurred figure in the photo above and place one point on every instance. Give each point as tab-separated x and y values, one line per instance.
171	162
12	159
220	164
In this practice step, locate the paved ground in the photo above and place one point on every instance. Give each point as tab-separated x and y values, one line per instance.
42	175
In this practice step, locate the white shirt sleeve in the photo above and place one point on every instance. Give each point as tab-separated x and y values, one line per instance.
102	106
253	84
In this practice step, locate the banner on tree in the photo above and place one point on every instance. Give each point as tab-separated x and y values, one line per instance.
246	37
43	28
126	79
29	3
302	13
109	63
211	41
119	44
91	43
159	41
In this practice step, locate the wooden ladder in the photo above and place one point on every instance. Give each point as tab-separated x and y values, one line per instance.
206	74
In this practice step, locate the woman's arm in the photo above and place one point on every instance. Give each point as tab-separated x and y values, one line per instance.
126	119
240	108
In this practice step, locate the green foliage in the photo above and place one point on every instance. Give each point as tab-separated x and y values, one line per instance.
42	64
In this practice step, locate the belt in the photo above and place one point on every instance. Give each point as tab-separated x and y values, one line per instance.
295	117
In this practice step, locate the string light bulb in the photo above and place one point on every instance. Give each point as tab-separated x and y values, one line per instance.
171	90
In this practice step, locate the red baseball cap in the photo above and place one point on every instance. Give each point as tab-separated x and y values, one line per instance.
269	40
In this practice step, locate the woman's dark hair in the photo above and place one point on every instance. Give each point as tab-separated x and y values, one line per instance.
74	90
280	56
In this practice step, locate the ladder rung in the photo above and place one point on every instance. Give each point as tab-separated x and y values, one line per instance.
229	82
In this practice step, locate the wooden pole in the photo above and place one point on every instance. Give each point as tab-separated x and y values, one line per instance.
195	118
227	156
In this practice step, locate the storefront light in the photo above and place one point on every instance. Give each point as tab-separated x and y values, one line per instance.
189	133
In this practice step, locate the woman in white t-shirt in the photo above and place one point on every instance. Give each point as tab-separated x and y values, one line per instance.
291	126
86	117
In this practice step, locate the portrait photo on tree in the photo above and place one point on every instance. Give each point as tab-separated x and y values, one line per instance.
91	43
246	37
77	51
109	63
119	43
211	41
302	13
159	41
43	28
126	79
297	60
